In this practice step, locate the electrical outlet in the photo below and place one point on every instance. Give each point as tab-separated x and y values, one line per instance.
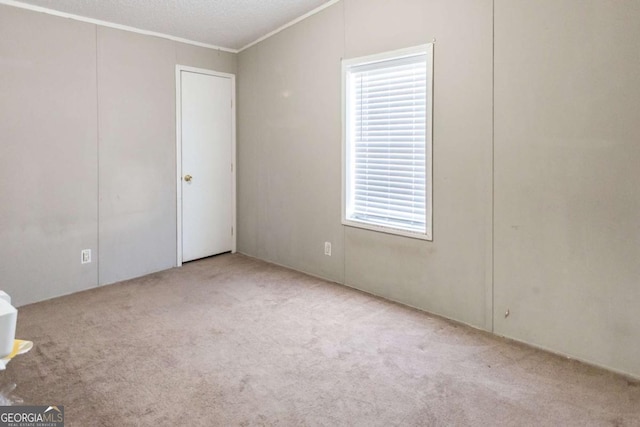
327	248
85	256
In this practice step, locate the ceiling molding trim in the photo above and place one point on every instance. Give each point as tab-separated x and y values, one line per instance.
289	24
112	25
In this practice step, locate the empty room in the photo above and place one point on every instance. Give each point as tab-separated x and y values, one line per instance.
320	212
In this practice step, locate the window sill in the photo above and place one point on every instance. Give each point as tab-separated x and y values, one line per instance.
388	230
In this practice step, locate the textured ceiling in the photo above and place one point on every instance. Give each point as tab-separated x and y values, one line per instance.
230	24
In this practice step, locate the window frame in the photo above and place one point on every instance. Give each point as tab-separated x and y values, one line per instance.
426	49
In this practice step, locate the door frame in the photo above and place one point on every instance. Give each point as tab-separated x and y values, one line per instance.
232	78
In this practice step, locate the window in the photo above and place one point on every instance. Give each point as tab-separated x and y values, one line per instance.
387	133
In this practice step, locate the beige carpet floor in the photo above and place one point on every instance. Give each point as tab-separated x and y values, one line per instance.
231	340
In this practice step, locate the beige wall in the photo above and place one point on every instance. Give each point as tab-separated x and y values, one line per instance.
290	154
450	276
289	147
565	199
87	159
48	155
567	156
137	154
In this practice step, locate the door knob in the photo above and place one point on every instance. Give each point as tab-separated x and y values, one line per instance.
188	178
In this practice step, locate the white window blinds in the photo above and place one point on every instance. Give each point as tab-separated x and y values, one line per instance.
387	143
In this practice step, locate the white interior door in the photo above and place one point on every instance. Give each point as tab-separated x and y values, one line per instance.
206	131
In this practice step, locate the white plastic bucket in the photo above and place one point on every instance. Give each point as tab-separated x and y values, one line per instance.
8	318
